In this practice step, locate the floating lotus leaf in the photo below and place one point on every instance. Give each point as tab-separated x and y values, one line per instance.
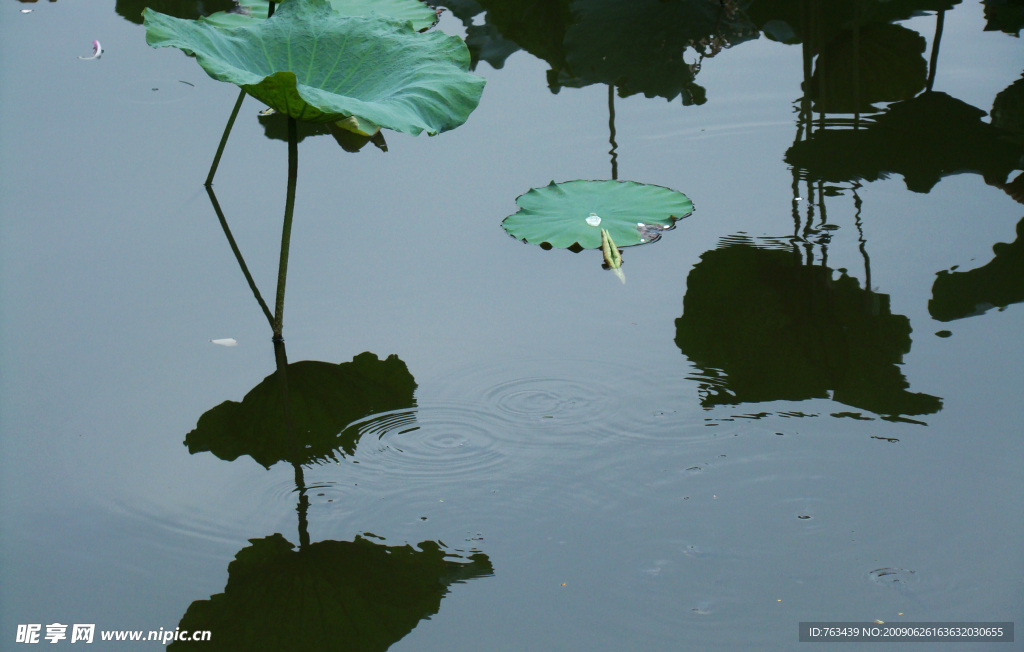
324	399
314	64
331	595
561	215
248	11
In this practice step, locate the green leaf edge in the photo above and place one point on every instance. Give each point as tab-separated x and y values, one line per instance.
285	81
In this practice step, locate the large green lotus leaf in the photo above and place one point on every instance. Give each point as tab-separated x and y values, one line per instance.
323	400
314	64
346	596
557	214
248	11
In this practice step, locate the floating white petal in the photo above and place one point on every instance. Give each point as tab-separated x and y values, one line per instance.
593	220
228	341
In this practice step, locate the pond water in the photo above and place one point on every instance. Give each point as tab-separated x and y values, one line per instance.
802	405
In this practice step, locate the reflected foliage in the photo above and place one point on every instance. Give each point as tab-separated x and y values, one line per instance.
923	139
956	295
763	326
331	595
322	400
189	9
1004	16
821	21
1008	109
636	46
881	62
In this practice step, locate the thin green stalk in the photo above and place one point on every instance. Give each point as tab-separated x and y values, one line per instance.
224	138
238	255
286	233
270	10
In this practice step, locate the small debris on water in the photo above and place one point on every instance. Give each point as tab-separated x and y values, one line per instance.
944	333
26	11
267	111
593	220
227	341
189	83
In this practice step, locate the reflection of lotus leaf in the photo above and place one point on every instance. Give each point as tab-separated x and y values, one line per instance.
420	15
881	63
1008	109
353	596
638	45
314	64
132	9
923	139
561	215
324	399
764	327
1004	16
956	295
820	21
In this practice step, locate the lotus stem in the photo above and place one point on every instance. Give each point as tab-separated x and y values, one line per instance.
238	255
286	233
270	9
224	138
933	62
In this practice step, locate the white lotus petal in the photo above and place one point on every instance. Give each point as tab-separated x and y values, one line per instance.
228	341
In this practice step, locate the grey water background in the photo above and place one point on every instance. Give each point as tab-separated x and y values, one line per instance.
561	429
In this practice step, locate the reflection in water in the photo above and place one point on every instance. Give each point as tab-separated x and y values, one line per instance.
611	132
923	139
637	46
859	58
956	295
763	325
331	595
324	400
1004	16
189	9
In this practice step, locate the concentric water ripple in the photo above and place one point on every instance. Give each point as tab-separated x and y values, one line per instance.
446	441
553	403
